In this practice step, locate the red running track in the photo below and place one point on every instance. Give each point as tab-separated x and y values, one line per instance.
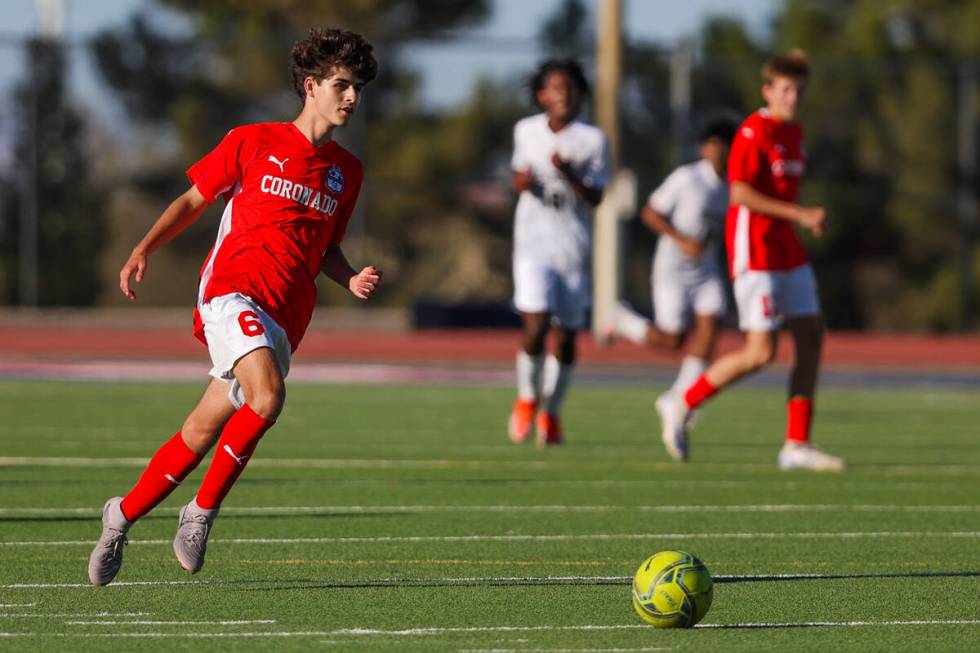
61	341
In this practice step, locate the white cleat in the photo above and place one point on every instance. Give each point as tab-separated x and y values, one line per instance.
803	455
674	416
191	543
107	557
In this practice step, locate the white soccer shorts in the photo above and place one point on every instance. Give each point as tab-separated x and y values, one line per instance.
234	325
674	301
766	297
542	288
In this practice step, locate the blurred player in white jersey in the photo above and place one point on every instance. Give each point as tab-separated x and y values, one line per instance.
687	211
559	168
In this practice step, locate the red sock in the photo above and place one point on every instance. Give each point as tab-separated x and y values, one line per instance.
238	440
799	413
699	392
169	466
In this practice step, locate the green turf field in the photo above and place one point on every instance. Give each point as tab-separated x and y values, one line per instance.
399	518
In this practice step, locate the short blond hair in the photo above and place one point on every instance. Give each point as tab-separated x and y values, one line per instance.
794	64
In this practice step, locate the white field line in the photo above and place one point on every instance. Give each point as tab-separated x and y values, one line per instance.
134	622
564	650
411	463
419	509
70	615
850	624
4	606
413	632
854	535
569	579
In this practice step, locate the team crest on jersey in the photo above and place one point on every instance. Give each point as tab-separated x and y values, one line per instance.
335	179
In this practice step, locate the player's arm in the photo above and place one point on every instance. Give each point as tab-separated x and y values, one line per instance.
181	213
659	224
523	180
808	217
591	195
361	284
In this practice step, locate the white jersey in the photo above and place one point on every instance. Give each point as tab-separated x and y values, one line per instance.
695	199
552	223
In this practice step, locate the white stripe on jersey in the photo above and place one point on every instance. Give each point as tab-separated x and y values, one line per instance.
740	259
224	228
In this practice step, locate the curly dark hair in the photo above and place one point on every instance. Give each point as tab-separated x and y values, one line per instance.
325	50
568	66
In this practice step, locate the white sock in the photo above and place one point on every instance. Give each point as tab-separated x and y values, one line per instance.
557	378
691	368
630	325
529	375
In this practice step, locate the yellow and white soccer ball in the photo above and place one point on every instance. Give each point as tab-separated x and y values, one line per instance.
672	589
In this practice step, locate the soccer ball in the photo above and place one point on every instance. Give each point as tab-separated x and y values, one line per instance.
672	589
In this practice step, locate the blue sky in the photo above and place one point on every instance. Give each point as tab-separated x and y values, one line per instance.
449	70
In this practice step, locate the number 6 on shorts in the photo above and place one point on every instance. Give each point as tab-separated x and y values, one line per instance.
250	324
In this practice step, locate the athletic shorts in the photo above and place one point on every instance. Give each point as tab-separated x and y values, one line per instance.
234	325
542	288
674	301
766	297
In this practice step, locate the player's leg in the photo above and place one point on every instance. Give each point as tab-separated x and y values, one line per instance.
759	318
262	387
558	369
706	300
805	325
250	352
571	300
531	298
667	329
167	468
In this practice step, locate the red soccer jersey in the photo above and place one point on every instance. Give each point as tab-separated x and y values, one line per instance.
768	155
287	201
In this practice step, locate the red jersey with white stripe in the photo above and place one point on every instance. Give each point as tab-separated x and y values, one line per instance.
768	155
287	201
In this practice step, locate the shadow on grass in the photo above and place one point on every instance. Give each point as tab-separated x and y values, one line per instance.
297	584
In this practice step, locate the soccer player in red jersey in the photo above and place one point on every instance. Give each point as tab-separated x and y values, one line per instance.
773	281
289	191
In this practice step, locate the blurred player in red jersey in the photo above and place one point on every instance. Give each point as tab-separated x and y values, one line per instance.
559	168
773	281
289	191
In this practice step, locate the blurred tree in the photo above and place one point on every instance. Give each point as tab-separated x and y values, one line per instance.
568	33
233	69
70	221
880	121
881	129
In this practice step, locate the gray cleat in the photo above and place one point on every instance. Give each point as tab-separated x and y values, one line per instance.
106	558
191	541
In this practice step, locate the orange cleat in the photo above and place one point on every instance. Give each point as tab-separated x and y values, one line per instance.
549	430
521	421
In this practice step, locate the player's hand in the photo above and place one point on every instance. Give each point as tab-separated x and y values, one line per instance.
523	180
812	218
135	265
363	284
691	248
563	166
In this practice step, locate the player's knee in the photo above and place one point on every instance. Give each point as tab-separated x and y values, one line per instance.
760	355
268	401
534	337
566	353
198	435
673	341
